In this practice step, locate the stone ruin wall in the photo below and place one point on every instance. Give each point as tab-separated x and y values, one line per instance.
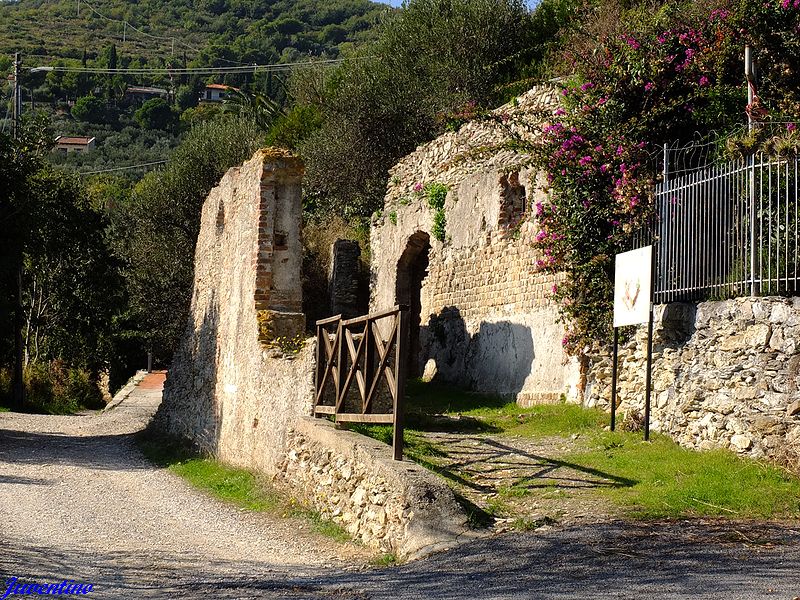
232	392
725	375
228	390
487	322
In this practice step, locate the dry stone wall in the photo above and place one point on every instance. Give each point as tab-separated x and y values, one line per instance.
394	507
485	319
725	375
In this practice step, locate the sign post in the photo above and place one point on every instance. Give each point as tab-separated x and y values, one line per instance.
633	305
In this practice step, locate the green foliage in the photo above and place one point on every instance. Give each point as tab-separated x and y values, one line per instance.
438	229
290	130
71	287
157	229
641	78
436	194
393	217
156	113
91	109
254	106
53	388
243	30
376	111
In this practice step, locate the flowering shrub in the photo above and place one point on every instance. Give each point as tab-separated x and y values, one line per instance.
658	78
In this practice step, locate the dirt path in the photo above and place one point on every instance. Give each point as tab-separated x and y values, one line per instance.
524	483
77	500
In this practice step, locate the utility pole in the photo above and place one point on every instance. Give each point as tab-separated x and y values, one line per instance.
19	350
17	97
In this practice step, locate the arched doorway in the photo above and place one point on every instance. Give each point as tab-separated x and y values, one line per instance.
412	268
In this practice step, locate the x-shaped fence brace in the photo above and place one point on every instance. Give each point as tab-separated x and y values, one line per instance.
356	351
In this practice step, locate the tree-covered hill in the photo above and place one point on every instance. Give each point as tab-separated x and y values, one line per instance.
205	32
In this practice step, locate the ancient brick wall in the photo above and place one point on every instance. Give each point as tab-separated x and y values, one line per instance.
235	393
229	389
481	314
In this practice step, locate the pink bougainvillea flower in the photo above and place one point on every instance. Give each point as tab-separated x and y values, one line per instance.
649	86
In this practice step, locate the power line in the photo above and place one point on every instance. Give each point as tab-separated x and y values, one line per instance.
149	164
194	70
126	24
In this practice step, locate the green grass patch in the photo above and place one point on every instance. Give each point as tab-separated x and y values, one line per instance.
670	481
656	479
494	414
384	560
230	484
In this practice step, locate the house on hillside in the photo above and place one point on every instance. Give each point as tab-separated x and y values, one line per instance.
67	144
215	92
144	93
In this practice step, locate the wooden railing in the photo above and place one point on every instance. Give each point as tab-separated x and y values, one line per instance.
361	371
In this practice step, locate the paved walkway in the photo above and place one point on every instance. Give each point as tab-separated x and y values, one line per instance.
79	502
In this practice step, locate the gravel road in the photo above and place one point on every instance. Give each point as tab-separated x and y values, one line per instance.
79	502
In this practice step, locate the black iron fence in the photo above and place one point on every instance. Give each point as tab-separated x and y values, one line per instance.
727	229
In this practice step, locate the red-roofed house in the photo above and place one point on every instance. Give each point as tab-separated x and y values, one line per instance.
215	92
74	144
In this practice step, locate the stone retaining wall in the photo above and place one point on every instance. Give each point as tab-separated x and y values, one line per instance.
725	375
396	507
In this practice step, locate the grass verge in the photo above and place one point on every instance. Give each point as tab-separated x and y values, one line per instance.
656	479
239	487
670	481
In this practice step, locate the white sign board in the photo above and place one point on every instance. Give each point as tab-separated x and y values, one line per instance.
632	287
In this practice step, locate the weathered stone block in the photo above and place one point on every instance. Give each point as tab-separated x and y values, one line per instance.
278	328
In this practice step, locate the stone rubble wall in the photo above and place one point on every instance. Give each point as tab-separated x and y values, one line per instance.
235	394
228	390
487	322
725	375
478	147
390	506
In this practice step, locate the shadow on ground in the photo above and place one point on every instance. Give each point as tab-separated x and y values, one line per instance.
669	560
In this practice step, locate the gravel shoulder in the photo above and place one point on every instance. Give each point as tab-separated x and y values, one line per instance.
76	494
79	502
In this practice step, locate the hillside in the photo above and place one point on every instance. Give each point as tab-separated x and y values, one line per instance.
115	34
206	31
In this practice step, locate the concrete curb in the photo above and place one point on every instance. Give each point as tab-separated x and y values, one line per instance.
122	394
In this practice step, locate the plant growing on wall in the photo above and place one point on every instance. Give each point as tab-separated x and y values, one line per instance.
642	78
436	194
